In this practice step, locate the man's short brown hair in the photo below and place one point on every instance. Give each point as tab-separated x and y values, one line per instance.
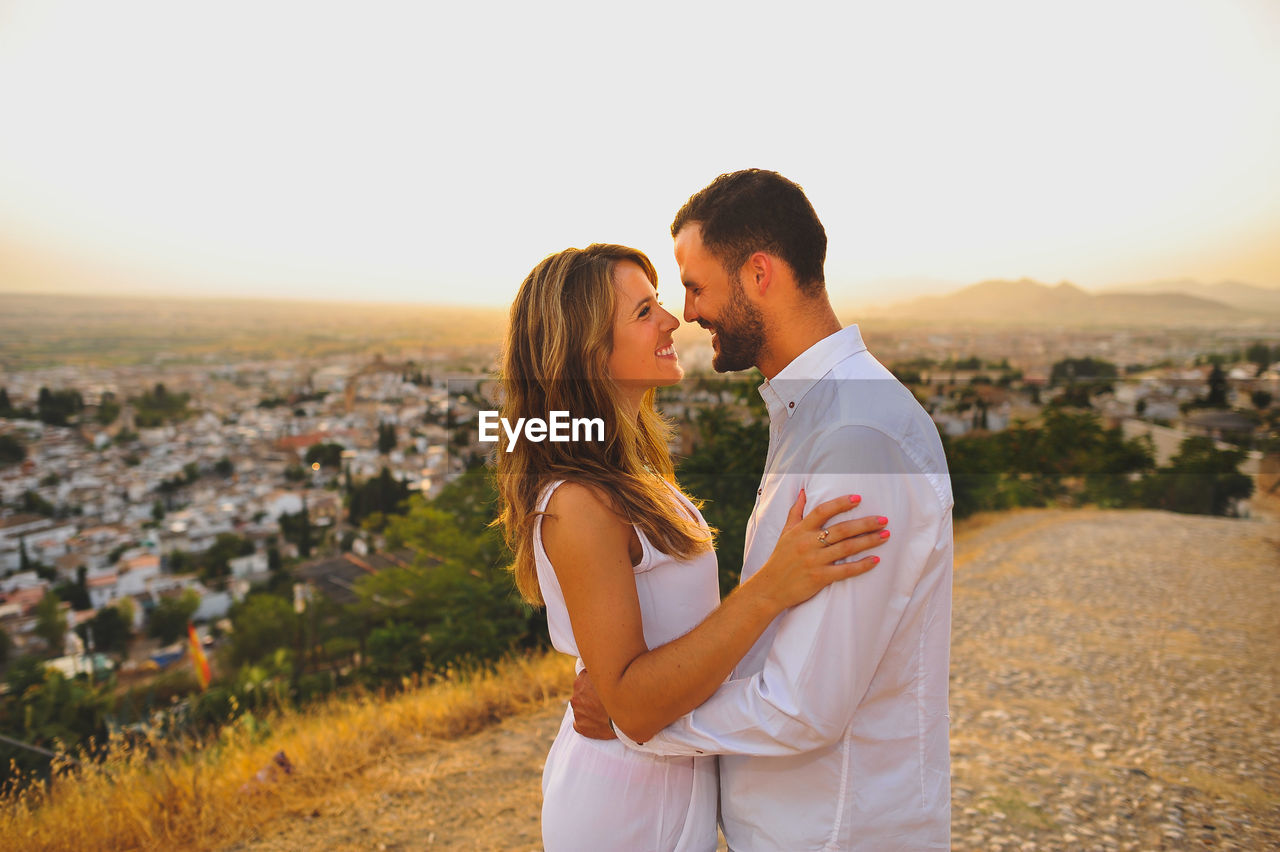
756	210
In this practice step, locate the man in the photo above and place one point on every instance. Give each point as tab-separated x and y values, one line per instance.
833	730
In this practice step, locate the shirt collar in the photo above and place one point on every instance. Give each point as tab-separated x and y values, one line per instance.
783	393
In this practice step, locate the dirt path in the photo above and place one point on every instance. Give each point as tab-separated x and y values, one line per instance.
1114	686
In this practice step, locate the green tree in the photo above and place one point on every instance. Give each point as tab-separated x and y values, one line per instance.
1070	370
108	631
1259	354
395	650
386	438
108	409
12	450
224	467
724	471
6	647
296	527
52	712
1261	399
76	592
157	407
6	407
34	503
261	625
214	562
58	408
326	455
1200	479
168	620
1217	397
383	493
51	624
457	590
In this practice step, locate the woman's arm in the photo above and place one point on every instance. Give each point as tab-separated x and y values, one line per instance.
643	689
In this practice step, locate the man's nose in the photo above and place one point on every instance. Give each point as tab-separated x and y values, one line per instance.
689	313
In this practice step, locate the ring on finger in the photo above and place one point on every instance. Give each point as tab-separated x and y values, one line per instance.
822	537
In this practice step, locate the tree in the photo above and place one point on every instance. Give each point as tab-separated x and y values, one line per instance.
1261	355
51	624
109	630
384	493
6	407
296	527
724	470
386	438
395	650
34	503
1261	399
169	619
6	647
215	562
108	409
1217	397
224	468
76	593
57	408
1200	479
261	625
326	455
1070	370
12	451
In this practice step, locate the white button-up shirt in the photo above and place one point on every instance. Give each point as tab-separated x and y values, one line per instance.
834	728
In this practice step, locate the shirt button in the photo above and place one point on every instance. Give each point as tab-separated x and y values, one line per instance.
759	491
791	405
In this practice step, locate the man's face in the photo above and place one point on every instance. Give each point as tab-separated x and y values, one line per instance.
717	301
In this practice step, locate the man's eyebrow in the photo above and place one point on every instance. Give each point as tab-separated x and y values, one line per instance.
688	284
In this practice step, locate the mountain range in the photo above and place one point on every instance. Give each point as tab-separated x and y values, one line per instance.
1028	302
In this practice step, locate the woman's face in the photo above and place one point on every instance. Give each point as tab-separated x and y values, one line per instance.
643	355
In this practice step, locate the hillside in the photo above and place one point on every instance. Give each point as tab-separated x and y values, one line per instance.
1030	303
1113	676
1114	683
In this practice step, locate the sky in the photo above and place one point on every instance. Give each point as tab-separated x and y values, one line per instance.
432	152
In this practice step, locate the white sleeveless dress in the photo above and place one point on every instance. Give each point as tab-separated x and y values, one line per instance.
598	794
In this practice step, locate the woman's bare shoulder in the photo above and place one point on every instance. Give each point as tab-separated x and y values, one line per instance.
580	502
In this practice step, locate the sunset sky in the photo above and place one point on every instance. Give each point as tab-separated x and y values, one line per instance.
405	152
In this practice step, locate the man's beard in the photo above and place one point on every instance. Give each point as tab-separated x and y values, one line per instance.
739	331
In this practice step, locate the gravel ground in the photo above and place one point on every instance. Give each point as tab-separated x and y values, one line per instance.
1114	687
1114	683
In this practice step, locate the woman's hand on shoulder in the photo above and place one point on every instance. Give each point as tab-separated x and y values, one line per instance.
807	556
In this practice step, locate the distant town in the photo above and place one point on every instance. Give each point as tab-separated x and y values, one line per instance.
142	484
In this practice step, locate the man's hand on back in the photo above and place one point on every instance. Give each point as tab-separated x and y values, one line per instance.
589	716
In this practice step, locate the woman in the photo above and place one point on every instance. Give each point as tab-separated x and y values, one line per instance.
622	558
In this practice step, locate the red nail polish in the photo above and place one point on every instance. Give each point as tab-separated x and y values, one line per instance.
882	521
875	560
854	498
884	533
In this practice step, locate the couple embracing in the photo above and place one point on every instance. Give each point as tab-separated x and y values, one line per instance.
808	710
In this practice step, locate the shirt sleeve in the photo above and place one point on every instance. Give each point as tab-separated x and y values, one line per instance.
826	650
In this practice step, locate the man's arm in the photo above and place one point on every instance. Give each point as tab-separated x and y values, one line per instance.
826	650
645	689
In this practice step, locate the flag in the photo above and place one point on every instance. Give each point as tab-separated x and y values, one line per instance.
198	658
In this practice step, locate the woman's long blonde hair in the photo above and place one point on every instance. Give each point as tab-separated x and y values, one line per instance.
556	359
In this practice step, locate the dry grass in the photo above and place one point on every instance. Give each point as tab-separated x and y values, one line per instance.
207	797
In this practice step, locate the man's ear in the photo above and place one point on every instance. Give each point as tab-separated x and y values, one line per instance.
758	273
